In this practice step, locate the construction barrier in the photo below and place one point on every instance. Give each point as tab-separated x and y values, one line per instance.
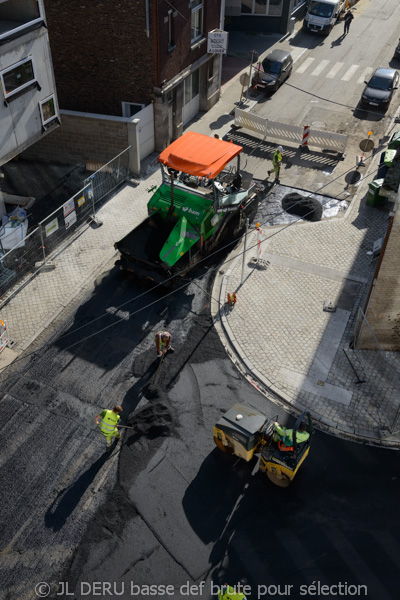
3	336
327	140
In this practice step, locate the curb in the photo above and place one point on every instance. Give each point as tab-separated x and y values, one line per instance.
261	383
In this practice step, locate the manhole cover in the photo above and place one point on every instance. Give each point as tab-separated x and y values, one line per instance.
319	124
366	145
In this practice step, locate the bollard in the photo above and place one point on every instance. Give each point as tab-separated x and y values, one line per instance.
306	133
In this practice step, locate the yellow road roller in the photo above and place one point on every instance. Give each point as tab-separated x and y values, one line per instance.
245	432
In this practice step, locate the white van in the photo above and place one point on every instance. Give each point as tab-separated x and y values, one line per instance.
322	15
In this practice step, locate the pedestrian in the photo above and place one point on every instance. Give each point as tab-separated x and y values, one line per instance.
228	592
285	436
276	163
348	17
108	420
163	343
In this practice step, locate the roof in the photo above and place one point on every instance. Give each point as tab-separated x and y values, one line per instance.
198	154
385	72
277	55
242	418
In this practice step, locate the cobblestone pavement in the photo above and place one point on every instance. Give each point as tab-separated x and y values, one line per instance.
36	305
282	337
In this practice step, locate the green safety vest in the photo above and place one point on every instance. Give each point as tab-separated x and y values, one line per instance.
277	158
159	339
228	593
286	435
109	420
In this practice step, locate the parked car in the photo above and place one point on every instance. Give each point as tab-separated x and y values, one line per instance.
380	88
397	51
275	69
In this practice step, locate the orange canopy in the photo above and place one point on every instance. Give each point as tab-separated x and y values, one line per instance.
198	154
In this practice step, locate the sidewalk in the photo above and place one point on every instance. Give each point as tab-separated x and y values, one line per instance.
277	334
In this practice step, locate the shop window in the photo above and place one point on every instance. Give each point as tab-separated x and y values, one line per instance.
191	87
269	8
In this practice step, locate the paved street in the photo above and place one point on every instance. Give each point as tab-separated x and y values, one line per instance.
166	507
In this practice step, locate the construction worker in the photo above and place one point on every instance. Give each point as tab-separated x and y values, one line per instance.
276	163
107	420
284	436
163	342
227	592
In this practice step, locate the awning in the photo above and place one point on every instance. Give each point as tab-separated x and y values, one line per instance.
198	154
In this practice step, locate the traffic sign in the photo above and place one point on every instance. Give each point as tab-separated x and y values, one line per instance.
217	41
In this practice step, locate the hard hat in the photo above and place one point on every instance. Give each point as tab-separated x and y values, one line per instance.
280	149
165	336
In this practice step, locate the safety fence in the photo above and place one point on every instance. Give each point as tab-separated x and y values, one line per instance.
294	134
377	370
34	251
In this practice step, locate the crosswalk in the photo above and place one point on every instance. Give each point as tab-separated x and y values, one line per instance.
332	70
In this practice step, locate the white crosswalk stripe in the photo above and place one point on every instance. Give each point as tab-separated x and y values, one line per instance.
320	67
305	65
350	73
334	71
366	75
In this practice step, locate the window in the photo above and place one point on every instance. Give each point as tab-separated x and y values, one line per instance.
48	110
130	108
196	19
170	31
270	8
17	77
210	66
17	15
191	87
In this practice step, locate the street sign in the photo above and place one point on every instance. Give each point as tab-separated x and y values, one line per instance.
217	42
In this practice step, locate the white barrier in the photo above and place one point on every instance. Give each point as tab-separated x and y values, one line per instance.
290	133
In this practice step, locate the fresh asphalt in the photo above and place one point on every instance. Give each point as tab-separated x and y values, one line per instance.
166	507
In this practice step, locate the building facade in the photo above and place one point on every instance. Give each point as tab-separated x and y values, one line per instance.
29	107
263	16
116	58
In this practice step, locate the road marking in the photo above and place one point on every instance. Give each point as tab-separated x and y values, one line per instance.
298	53
305	65
350	73
366	75
334	71
320	67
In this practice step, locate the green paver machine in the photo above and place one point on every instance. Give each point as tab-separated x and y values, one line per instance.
201	200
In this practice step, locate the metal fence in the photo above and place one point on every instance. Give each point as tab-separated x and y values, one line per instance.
32	253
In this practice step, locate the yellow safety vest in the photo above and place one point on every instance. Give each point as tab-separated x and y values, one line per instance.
108	422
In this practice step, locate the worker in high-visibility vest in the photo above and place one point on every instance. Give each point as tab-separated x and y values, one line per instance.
108	420
285	436
228	592
276	163
163	342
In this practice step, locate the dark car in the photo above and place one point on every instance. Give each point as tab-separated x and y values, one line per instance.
380	88
275	69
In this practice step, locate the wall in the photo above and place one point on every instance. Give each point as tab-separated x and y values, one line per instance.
383	312
101	53
88	137
20	121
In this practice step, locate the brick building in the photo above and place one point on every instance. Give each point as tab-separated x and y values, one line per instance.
116	57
